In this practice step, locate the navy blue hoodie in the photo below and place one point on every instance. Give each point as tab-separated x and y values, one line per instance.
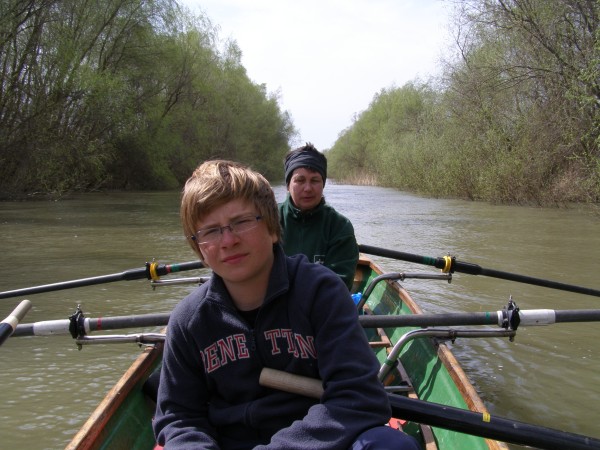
209	395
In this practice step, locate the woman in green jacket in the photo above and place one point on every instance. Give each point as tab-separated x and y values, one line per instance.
311	226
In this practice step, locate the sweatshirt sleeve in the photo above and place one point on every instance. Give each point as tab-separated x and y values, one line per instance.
354	400
181	420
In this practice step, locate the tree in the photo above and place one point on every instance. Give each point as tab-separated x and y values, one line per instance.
125	94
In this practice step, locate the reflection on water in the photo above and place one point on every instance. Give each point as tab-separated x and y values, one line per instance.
50	387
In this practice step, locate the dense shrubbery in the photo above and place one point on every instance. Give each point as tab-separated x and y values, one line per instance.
133	94
515	119
124	94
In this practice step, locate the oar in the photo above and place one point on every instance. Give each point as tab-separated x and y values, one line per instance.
85	325
531	317
8	325
449	264
526	317
65	326
448	417
150	272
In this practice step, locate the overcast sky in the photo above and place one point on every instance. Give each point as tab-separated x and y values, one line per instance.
326	59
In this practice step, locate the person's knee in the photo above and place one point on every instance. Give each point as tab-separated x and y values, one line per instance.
384	438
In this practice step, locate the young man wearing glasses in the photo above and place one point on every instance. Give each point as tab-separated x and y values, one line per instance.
263	309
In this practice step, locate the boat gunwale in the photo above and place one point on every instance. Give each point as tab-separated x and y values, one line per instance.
88	435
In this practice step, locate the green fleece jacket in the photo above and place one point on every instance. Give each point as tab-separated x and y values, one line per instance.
323	235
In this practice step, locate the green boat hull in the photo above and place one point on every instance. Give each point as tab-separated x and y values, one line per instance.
434	373
123	420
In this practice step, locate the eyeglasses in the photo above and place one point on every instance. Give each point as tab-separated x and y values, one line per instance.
239	226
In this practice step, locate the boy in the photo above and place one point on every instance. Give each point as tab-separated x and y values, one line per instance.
262	309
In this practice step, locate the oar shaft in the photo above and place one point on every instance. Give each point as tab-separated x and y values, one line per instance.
10	323
147	272
448	417
58	327
114	323
402	256
528	318
577	315
474	269
64	285
428	320
533	281
488	426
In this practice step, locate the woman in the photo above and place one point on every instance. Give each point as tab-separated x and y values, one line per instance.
311	226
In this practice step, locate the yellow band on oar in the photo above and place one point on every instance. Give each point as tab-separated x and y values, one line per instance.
153	273
486	417
448	265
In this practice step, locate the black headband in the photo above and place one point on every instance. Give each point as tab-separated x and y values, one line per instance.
305	159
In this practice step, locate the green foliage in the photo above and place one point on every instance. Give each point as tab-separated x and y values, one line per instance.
516	120
124	94
366	147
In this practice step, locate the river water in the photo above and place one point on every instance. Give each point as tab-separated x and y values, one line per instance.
547	376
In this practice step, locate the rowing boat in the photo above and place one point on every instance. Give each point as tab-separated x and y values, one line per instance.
425	369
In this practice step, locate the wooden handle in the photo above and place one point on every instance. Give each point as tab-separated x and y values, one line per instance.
289	382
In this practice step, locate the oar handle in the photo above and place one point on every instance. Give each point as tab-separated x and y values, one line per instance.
9	324
289	382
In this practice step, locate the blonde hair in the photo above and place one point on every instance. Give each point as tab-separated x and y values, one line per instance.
217	182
